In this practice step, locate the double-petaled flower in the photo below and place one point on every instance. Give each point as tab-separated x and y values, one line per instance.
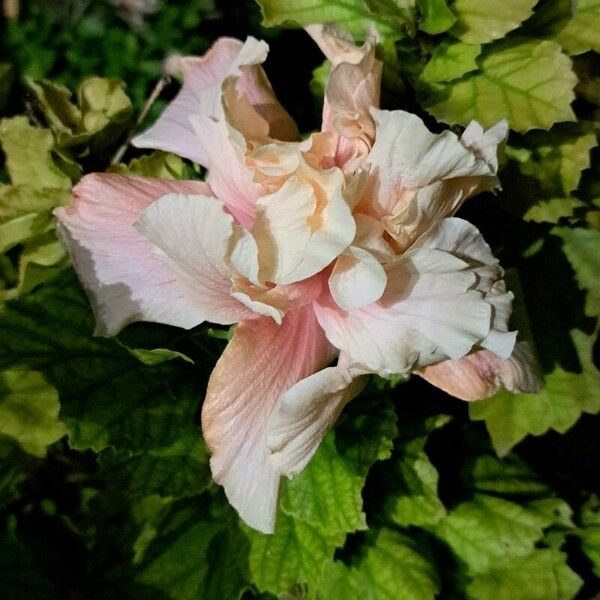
341	245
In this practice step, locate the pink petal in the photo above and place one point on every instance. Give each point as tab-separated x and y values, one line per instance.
480	375
228	177
201	96
463	239
305	414
118	266
261	362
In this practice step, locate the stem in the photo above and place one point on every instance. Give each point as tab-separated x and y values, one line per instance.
156	91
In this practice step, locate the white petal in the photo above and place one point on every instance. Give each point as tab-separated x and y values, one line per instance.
282	229
442	300
192	236
420	177
484	144
357	279
305	414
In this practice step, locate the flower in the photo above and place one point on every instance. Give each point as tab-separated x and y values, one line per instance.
340	245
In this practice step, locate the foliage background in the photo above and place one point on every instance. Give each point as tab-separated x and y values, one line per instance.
105	490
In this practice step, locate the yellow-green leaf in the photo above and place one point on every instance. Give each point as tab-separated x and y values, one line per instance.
451	60
565	395
28	155
480	22
582	33
354	15
436	16
389	566
530	83
29	410
541	575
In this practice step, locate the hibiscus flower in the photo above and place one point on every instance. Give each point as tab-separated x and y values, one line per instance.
339	246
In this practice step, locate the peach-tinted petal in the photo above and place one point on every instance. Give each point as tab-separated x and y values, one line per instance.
420	177
357	279
439	303
305	414
337	45
191	235
261	362
303	226
282	229
480	374
118	267
352	89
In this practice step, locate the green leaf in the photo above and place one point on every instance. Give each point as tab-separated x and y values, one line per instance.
327	494
487	529
28	155
528	82
478	23
157	164
6	79
590	531
104	105
158	355
102	112
318	83
54	102
557	157
582	247
13	471
437	17
552	210
325	500
390	565
29	409
509	476
108	397
20	229
541	575
20	577
19	200
195	556
565	395
296	554
451	60
413	495
581	33
176	471
354	15
42	258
